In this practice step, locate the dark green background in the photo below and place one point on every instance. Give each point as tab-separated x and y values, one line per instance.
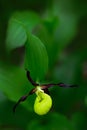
62	27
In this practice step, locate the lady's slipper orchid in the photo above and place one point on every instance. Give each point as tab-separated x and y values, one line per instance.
43	101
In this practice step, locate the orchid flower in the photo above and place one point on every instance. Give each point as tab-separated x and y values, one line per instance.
43	101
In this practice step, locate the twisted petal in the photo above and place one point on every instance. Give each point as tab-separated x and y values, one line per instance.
31	80
23	98
45	86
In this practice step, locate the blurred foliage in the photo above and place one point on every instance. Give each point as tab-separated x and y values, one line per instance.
49	38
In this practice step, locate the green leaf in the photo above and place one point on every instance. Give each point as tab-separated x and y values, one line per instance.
16	35
18	23
51	23
36	58
14	84
46	34
29	19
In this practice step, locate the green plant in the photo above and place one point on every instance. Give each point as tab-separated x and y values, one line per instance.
51	42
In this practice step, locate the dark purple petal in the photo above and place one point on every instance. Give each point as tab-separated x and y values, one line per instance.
44	86
31	80
23	98
66	85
